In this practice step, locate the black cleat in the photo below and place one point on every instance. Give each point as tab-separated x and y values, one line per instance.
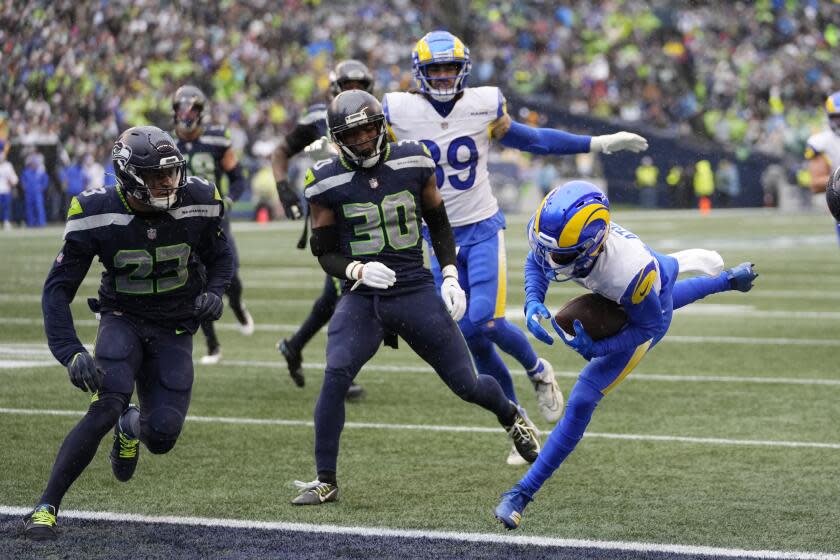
126	450
315	493
525	436
40	525
354	393
294	360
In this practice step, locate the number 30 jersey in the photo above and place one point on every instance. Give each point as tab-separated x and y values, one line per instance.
378	211
459	144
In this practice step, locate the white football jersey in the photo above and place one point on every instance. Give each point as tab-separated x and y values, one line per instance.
459	143
623	257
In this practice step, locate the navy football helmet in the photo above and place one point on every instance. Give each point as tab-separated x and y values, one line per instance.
348	115
144	157
348	71
187	108
569	230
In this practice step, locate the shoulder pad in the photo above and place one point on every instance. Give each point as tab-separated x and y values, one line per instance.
215	135
200	191
324	175
98	201
313	114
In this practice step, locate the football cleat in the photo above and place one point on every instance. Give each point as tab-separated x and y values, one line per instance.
315	493
514	458
294	361
126	449
549	396
741	277
354	393
510	508
524	434
213	357
40	525
246	322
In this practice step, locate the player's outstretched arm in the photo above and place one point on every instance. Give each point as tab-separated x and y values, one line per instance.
68	270
443	244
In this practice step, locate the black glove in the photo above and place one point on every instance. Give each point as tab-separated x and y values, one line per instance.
289	199
208	307
83	372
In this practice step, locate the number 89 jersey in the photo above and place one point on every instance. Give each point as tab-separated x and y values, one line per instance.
378	210
459	143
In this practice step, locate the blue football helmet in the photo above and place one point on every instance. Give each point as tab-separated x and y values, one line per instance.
440	47
569	230
832	110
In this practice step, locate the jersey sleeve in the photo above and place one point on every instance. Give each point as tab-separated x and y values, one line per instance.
644	314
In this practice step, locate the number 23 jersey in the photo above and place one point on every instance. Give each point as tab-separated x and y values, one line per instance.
378	211
459	144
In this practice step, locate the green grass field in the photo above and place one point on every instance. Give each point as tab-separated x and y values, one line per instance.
726	435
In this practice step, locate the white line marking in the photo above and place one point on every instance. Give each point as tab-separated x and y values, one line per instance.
548	542
453	429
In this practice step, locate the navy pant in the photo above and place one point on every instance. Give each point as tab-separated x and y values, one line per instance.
355	333
133	354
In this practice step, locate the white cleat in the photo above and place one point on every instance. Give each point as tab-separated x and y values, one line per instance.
514	458
549	396
247	328
212	358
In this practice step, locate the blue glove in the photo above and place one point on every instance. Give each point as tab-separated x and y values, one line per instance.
581	342
208	307
534	312
83	372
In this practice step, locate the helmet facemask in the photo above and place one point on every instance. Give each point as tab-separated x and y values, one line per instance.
362	140
443	86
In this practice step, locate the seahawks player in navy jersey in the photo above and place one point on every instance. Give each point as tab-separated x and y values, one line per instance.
167	263
209	154
310	134
367	204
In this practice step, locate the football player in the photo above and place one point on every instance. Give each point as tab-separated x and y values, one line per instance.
209	154
572	238
167	263
823	153
366	206
310	134
457	123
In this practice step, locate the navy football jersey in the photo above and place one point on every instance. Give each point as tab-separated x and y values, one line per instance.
204	154
155	264
378	210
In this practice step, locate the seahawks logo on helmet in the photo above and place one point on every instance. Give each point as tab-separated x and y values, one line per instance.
121	154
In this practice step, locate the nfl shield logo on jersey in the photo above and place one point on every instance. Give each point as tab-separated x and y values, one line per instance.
151	233
374	183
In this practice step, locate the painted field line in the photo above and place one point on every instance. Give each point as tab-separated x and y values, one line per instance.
455	429
490	538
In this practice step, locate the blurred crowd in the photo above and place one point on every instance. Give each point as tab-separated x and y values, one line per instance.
748	75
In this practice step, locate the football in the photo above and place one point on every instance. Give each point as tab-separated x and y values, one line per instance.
601	317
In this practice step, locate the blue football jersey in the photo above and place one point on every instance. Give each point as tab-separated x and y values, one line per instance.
378	210
154	263
204	154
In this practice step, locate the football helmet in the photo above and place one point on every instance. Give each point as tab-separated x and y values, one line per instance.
187	108
144	157
569	230
440	47
350	71
346	115
832	194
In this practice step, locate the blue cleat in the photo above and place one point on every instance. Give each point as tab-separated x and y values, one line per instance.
741	277
509	511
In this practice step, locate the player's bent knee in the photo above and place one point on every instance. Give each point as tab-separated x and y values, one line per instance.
160	429
481	312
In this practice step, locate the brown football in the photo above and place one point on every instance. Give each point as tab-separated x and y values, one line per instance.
601	317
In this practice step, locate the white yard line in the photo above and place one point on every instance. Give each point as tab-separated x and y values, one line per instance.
490	538
456	429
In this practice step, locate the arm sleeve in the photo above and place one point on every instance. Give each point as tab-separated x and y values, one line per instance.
237	182
443	241
300	137
544	141
68	270
536	284
326	247
644	316
217	257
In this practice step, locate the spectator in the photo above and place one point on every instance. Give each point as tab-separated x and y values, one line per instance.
94	173
647	177
727	183
74	182
35	183
8	180
704	184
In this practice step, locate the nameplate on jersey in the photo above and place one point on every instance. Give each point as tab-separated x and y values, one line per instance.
196	211
411	161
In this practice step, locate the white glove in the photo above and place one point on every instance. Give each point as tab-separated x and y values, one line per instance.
623	140
373	274
453	296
